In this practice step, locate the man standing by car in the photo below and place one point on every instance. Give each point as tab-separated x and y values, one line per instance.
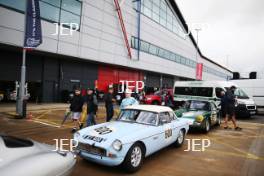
128	101
230	107
76	109
108	98
91	103
223	104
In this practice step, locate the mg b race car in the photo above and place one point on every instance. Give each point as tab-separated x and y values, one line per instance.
200	114
139	131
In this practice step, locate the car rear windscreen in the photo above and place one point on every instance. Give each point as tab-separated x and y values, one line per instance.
194	91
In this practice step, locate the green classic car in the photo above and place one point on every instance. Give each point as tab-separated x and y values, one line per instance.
200	114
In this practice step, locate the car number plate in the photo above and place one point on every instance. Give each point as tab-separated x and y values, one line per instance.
252	112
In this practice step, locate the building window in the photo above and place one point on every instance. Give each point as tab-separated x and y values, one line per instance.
15	4
55	11
161	12
174	57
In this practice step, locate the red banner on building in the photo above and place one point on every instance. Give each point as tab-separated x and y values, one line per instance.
199	71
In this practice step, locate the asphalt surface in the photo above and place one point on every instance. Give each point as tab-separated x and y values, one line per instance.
231	152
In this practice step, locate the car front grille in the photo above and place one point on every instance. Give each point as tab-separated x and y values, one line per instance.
251	107
91	149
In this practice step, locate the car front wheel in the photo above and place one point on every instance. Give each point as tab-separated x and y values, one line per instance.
180	140
134	158
206	127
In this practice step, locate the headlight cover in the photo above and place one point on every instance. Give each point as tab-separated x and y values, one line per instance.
117	145
199	118
76	135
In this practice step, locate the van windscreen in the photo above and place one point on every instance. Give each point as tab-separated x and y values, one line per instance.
194	91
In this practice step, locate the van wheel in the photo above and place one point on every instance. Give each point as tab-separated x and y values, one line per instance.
134	158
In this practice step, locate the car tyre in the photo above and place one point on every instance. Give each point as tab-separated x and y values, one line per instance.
180	140
218	123
206	126
134	158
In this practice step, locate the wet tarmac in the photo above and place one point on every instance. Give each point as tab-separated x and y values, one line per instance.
231	152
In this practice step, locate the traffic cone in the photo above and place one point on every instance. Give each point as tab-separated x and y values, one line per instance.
30	116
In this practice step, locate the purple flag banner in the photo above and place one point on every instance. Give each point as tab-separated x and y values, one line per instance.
33	34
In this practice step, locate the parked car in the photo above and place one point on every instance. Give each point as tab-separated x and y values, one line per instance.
25	157
156	98
139	131
200	114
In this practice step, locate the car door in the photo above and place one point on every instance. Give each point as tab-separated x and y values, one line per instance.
166	125
214	112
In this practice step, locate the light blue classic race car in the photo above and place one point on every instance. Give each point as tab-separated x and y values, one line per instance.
138	132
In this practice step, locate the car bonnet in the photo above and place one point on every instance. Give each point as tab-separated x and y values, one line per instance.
104	134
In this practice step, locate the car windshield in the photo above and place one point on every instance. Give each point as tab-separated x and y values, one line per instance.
197	105
239	93
138	116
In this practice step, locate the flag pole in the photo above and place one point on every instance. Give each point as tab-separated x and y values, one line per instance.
21	94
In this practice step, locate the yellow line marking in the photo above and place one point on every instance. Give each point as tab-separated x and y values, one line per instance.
40	116
247	156
250	155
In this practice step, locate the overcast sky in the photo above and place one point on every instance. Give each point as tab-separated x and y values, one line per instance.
232	29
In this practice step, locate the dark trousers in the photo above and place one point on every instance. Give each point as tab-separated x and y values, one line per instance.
109	112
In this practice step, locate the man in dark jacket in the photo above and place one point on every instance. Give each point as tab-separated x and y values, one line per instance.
76	108
223	104
230	107
92	106
109	99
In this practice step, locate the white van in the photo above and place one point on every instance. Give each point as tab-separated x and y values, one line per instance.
210	90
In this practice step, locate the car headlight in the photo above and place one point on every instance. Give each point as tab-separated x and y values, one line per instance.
241	102
117	145
199	118
76	135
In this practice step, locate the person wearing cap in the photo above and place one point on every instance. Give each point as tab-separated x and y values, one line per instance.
92	106
230	107
76	109
128	100
109	99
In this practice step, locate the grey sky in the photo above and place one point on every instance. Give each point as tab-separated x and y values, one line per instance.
230	28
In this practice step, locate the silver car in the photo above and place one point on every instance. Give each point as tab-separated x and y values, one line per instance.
25	157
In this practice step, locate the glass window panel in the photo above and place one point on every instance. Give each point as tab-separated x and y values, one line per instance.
183	60
155	9
155	17
163	14
53	2
16	4
169	26
49	12
67	17
153	49
167	54
72	6
148	3
163	22
156	2
144	46
163	5
147	12
172	56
